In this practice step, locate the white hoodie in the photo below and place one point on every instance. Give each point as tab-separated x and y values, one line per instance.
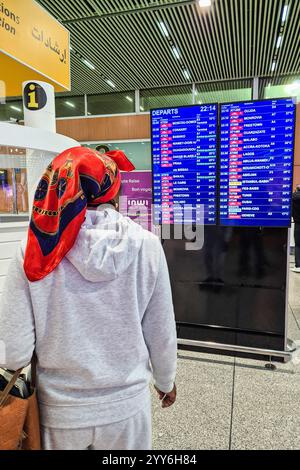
95	322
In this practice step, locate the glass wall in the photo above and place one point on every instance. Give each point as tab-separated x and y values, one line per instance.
164	97
12	109
282	88
181	95
13	181
20	172
223	92
68	106
139	153
111	103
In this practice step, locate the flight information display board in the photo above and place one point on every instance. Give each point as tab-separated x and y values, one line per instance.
184	164
256	162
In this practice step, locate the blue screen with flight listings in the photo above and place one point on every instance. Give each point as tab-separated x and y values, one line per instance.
256	162
184	164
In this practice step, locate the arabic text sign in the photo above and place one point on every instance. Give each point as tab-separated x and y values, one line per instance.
34	38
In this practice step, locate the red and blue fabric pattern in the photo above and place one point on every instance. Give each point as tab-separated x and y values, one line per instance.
75	179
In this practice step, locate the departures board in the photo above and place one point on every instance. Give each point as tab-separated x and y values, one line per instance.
184	164
256	163
239	164
238	167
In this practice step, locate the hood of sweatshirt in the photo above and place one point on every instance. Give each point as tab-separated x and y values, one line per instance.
106	245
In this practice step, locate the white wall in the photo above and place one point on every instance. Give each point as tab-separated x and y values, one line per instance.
10	236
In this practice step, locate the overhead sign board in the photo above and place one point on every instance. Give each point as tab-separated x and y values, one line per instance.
33	46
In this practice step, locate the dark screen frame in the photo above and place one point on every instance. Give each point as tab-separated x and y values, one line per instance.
293	160
218	157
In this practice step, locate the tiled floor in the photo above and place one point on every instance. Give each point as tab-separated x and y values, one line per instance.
227	403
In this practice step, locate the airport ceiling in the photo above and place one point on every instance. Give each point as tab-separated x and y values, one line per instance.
138	44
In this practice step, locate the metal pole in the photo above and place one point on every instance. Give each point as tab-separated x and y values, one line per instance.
85	105
137	101
255	88
193	93
15	192
286	319
234	348
130	11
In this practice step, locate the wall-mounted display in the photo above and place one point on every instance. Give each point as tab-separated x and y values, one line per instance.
184	164
256	159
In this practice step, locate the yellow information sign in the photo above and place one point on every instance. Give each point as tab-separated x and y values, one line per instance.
38	44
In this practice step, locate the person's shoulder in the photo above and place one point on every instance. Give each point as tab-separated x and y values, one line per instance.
151	238
144	233
150	241
22	247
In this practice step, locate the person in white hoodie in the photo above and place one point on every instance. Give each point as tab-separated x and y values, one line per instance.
91	295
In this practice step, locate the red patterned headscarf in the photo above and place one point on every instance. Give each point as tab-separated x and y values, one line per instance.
75	179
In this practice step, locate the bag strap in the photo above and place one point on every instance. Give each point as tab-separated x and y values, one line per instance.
33	370
11	383
9	386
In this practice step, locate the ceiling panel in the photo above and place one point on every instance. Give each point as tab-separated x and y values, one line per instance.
233	39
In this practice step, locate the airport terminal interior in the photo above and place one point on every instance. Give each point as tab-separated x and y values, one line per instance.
203	97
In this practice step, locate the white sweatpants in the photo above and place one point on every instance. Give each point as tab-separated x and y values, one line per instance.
134	433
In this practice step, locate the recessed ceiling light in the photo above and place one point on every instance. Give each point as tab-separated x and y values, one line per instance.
129	98
278	42
175	52
110	83
186	73
285	12
200	102
89	114
205	3
15	108
163	28
273	66
142	108
88	64
70	104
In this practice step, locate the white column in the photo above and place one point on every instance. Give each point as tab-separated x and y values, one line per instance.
39	112
137	101
85	105
193	93
255	88
39	105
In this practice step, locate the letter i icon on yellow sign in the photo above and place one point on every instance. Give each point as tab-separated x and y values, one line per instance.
35	97
32	97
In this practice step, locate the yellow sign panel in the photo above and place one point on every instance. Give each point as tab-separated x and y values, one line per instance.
32	37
